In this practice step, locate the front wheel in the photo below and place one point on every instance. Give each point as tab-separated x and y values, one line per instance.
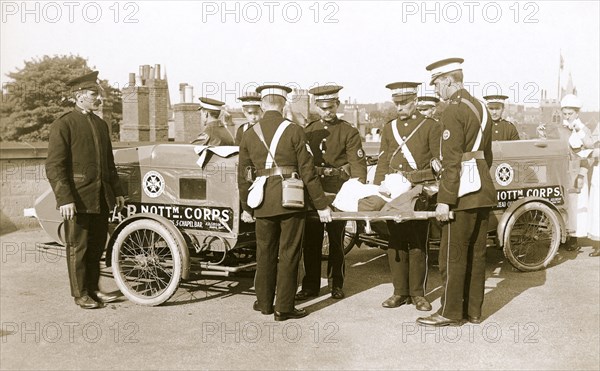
532	237
350	239
146	262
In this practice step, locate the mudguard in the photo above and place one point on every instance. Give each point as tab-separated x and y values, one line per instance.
185	253
501	229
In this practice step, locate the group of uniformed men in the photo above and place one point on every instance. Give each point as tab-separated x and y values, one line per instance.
327	152
324	154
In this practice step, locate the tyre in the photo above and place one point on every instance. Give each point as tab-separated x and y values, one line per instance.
350	239
532	237
146	262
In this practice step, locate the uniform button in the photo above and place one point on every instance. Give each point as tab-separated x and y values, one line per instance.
400	166
322	176
406	124
404	138
322	151
324	127
322	164
324	139
496	131
495	124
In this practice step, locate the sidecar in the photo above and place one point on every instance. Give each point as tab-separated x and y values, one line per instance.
182	215
534	195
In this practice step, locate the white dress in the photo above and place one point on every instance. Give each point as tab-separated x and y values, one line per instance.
579	140
594	201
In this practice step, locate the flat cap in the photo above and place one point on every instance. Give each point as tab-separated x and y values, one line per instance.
326	92
444	66
85	82
210	104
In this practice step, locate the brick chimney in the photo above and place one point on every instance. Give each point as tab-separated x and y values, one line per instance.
186	115
158	91
135	126
145	106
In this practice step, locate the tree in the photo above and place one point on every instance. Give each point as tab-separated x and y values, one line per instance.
385	113
38	95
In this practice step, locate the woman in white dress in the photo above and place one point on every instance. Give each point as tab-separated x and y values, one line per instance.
594	212
580	142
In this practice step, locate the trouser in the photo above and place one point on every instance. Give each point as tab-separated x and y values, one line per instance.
462	263
278	251
85	236
312	248
407	256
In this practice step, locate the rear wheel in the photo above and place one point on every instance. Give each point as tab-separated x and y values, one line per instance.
350	239
146	262
532	237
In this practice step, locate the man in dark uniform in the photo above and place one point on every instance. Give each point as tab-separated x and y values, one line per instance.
503	130
252	111
338	155
408	144
214	133
427	105
466	135
82	173
278	229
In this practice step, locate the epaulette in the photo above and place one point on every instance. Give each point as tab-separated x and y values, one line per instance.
392	120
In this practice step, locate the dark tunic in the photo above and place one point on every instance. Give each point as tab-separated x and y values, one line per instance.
460	129
240	132
292	150
215	134
504	130
423	145
80	163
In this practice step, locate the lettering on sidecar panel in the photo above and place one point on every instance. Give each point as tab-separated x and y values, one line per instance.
188	217
553	194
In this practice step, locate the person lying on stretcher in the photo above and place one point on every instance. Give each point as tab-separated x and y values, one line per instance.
398	191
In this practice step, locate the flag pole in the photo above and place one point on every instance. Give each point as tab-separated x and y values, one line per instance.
560	66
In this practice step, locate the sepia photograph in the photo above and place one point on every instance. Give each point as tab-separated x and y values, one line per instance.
300	185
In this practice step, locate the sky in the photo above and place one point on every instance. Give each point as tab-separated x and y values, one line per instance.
224	48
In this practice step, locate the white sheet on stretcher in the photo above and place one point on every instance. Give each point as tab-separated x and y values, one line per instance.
353	190
221	151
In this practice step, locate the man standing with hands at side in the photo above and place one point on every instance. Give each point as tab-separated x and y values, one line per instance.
83	176
466	141
277	149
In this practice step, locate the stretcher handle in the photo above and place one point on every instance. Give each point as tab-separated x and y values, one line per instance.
388	215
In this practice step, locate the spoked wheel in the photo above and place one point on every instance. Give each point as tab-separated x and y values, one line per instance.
147	262
350	239
532	237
